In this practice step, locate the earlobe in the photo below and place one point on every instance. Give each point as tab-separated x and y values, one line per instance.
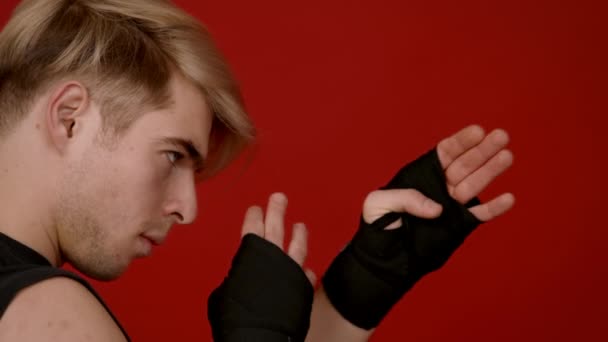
66	107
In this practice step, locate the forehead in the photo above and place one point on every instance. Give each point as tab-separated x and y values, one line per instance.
187	117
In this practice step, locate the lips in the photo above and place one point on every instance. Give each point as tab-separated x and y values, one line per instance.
155	240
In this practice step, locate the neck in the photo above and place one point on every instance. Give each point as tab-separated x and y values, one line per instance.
25	210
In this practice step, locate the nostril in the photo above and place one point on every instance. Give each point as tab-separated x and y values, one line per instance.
180	217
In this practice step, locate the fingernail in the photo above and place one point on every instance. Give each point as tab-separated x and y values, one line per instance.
433	205
279	196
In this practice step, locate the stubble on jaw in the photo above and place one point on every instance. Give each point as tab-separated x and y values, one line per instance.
83	239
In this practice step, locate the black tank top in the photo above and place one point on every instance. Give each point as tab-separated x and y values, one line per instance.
21	266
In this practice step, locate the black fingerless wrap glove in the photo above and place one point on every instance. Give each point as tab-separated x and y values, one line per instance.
265	297
379	266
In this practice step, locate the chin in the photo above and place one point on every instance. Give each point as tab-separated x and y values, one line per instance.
101	272
104	276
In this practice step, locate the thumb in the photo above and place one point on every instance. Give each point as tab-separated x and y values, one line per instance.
411	201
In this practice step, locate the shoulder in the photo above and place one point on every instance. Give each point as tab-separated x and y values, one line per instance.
57	309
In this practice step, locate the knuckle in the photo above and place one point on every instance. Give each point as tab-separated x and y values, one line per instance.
425	203
443	145
298	252
462	191
492	210
412	195
275	228
371	198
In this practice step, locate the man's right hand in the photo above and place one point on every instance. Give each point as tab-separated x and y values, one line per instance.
267	296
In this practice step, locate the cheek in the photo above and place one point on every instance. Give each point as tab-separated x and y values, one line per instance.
125	196
133	186
142	187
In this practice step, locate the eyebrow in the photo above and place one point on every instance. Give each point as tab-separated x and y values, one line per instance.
191	151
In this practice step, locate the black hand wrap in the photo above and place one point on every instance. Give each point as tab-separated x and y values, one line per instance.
265	297
379	266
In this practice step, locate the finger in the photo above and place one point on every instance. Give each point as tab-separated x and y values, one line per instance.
452	147
480	179
477	156
395	225
494	208
311	276
298	247
380	202
253	222
275	214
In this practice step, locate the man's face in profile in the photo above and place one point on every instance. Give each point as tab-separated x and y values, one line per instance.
117	202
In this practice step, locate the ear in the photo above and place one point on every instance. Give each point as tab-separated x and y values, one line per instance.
65	111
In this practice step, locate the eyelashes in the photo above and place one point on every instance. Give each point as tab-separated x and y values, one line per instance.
174	157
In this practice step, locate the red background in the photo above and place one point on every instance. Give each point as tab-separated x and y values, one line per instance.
343	93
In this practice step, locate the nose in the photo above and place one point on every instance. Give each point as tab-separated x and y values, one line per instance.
182	202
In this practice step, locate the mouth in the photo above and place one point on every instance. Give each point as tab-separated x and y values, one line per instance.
154	240
144	246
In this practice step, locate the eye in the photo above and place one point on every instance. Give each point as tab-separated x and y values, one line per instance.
174	157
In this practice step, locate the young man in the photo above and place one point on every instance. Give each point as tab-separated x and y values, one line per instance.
111	110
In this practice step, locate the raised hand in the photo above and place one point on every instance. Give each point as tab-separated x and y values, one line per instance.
266	296
412	225
272	228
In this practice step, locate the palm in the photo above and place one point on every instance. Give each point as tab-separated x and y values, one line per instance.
471	161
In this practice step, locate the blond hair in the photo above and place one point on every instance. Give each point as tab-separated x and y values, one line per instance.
125	53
